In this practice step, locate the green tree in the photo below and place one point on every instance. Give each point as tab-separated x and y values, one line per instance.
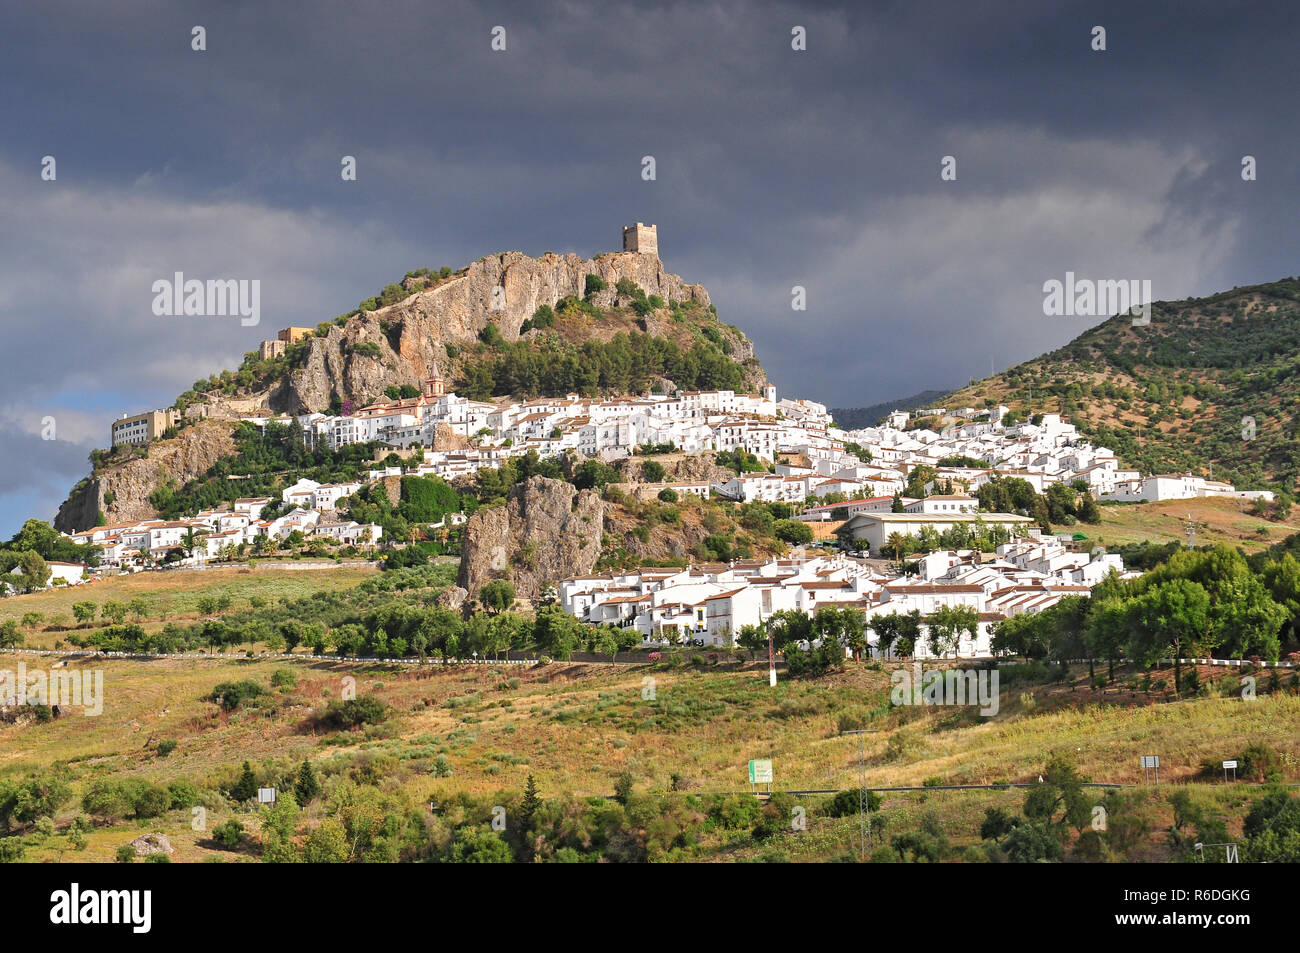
753	639
307	787
278	828
795	532
327	844
473	846
1059	801
1172	617
897	543
901	629
229	834
35	571
947	623
555	632
192	539
528	809
497	596
245	788
787	626
10	636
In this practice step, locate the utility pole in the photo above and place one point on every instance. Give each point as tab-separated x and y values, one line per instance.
864	802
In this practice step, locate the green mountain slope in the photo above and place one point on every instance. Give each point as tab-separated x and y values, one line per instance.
1173	395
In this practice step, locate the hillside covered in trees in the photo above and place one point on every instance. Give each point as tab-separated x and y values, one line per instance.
1175	394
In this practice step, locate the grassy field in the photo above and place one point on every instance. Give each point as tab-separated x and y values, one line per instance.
1224	521
173	595
576	727
471	735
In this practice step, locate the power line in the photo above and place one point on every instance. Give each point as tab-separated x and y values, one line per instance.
864	797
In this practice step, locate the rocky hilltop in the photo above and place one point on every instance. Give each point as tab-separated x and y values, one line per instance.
121	492
408	337
457	322
547	530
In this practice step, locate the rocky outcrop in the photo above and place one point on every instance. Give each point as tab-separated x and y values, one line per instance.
548	530
447	440
678	468
155	843
121	490
452	598
399	344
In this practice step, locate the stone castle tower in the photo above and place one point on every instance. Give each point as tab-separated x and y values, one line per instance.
641	238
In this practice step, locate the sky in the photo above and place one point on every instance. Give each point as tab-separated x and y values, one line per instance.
775	168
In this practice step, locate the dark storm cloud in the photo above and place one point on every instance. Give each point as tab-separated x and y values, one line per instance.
775	169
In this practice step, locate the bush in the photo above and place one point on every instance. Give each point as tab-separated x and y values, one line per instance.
848	803
152	800
166	747
107	800
774	817
125	854
184	794
736	812
793	531
354	712
230	695
111	800
1260	762
668	495
229	834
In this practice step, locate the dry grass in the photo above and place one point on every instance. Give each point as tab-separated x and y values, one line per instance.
575	727
1228	521
174	595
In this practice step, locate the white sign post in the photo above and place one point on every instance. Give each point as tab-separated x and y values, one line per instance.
266	795
1151	762
760	772
1229	765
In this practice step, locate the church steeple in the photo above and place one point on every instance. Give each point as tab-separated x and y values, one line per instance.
435	386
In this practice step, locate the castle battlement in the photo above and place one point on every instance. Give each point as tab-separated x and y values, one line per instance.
641	238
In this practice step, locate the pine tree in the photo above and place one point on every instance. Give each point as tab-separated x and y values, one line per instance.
245	788
527	810
308	786
529	806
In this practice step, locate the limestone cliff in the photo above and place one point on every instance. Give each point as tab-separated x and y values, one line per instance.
121	490
399	344
547	530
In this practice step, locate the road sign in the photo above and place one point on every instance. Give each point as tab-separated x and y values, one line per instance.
760	772
1151	762
1229	764
266	795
